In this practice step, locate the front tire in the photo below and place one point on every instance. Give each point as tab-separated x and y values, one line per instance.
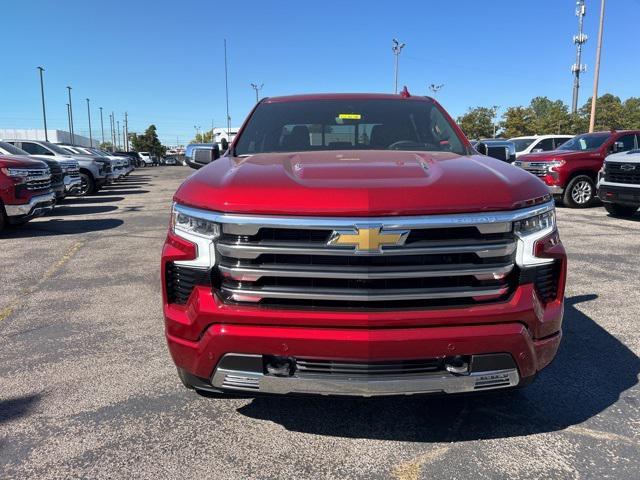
617	210
580	192
87	185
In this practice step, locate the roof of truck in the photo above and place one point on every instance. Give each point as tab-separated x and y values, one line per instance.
344	96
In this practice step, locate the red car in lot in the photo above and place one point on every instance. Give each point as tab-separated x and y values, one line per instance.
571	171
356	244
25	190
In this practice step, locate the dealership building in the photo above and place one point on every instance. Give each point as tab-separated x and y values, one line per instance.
55	136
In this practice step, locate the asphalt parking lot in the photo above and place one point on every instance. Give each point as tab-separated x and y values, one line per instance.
88	390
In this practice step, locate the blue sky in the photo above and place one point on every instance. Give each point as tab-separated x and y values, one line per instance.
162	61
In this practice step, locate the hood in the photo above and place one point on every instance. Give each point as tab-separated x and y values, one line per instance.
359	183
559	155
632	156
20	161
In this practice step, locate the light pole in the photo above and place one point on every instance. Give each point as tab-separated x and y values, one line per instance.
118	134
102	125
69	117
226	87
126	131
72	132
396	49
44	112
435	88
596	73
257	89
113	128
89	117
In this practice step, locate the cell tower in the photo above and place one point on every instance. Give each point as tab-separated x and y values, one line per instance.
577	68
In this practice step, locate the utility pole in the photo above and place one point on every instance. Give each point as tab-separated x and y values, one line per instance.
44	112
396	49
69	117
72	132
212	127
102	125
113	128
435	88
126	131
596	73
226	88
118	134
257	89
89	116
578	68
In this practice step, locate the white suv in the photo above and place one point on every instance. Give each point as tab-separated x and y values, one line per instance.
538	143
619	183
146	158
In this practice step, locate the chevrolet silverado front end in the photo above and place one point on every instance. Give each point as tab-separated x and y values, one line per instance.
356	245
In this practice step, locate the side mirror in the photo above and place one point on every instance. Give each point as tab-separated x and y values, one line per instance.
205	155
225	144
482	148
617	147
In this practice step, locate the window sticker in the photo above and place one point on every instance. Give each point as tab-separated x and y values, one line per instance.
349	116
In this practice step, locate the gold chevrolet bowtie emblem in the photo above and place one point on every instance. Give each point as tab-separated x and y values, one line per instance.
368	240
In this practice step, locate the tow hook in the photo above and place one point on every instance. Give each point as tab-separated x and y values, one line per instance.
457	365
279	366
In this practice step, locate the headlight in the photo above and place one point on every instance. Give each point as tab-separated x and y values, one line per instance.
199	231
531	225
187	224
22	175
554	164
531	230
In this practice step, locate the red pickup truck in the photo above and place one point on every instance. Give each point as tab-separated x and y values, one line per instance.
571	171
25	190
356	244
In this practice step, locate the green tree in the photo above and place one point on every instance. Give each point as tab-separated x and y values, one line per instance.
206	137
106	146
517	121
549	116
610	114
148	142
478	122
631	113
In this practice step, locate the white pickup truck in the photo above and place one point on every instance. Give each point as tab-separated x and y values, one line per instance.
619	183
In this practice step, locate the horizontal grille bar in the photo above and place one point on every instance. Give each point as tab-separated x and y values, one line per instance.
409	367
243	274
256	294
254	251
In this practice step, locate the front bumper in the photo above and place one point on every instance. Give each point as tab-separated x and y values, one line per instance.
556	189
619	193
71	184
201	333
36	206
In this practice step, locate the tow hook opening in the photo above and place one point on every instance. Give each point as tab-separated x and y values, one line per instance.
279	366
458	365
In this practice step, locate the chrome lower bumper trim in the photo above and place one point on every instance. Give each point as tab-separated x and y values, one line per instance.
31	207
71	183
363	386
555	189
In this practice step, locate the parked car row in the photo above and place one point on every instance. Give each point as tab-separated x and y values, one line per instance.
35	175
579	169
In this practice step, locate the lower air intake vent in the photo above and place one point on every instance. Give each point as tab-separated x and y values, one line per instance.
546	281
182	280
240	381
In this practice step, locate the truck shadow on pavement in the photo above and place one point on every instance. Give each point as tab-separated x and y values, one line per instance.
85	200
592	371
83	209
60	227
17	407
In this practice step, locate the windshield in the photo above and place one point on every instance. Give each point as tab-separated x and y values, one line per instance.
522	143
9	149
588	141
350	124
57	149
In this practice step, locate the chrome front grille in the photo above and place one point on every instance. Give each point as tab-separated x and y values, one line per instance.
622	173
39	180
439	261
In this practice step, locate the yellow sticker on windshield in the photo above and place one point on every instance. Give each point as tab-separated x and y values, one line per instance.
350	116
